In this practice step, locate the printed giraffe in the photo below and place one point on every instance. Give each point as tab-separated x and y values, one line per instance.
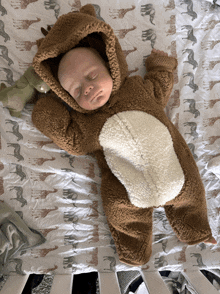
212	139
42	194
123	32
45	232
209	122
172	23
211	103
120	13
216	250
182	255
40	161
212	177
24	24
42	143
95	234
170	6
172	49
22	4
91	170
206	45
25	45
210	157
126	52
40	176
24	65
211	24
212	84
209	65
213	194
133	71
42	213
94	208
93	188
42	252
175	77
176	99
94	259
49	270
206	158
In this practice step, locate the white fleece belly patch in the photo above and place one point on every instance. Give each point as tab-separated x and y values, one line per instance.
139	151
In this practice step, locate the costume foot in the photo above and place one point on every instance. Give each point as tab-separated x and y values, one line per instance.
211	240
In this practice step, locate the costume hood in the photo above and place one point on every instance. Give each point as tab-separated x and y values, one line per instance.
79	29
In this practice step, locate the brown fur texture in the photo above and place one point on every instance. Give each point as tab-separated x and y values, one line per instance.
78	131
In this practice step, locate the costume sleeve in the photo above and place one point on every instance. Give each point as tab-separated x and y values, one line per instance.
159	77
53	119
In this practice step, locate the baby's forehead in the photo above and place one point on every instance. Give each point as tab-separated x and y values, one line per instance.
77	58
81	53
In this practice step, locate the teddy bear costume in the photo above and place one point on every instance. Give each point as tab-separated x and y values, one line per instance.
144	160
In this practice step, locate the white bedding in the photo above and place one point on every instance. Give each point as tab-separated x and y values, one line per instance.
59	194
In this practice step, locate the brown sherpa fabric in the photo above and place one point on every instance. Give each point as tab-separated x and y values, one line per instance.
144	160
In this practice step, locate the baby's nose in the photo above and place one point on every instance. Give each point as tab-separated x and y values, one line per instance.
88	89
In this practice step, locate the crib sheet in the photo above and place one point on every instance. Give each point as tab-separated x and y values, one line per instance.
59	194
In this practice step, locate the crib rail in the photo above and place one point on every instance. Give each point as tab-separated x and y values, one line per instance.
108	283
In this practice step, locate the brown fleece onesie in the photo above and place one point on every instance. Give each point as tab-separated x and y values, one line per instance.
144	160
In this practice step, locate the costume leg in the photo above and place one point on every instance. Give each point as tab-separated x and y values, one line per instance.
187	214
130	226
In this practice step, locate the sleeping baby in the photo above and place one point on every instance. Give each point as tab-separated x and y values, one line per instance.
94	107
85	75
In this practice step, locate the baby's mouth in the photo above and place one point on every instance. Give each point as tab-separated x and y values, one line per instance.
98	94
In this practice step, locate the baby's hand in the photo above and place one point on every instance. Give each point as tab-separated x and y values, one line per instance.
210	241
158	52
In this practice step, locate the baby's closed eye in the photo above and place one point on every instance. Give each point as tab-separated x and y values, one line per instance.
77	91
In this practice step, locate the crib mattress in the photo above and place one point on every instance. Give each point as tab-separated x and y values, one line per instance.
59	194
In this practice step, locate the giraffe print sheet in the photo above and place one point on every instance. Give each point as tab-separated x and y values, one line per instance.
58	194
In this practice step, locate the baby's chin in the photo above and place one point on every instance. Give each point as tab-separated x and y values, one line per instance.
98	103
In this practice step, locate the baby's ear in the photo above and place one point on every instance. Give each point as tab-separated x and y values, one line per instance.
88	9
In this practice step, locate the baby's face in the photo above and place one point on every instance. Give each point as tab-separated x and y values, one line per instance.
83	74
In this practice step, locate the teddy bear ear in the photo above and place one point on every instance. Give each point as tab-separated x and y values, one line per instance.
45	32
88	9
